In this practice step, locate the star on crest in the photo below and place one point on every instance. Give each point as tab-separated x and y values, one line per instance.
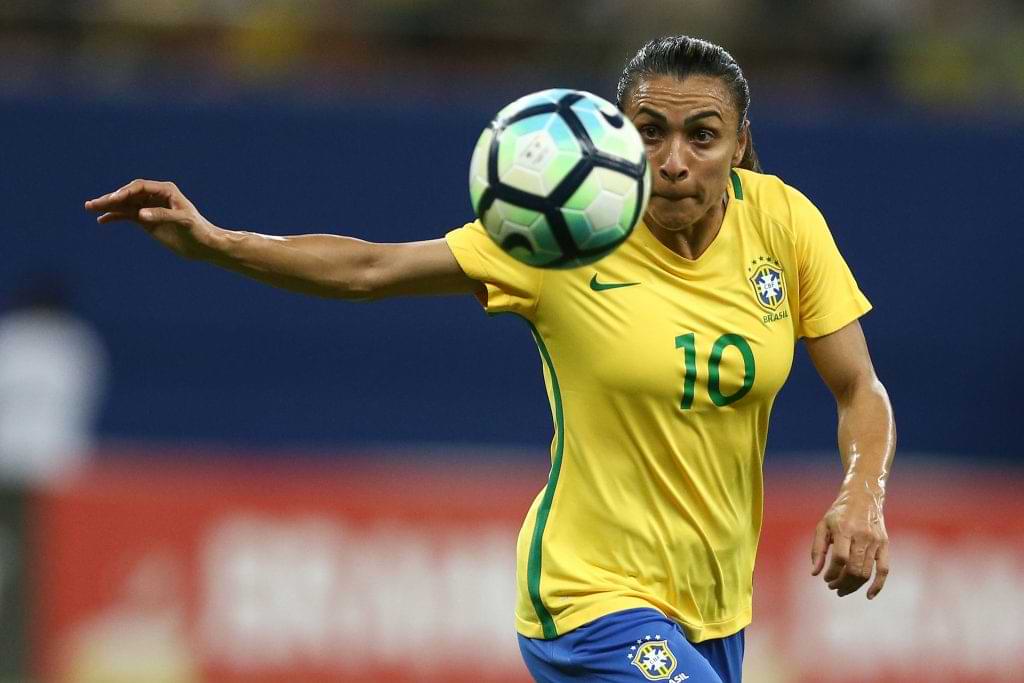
761	260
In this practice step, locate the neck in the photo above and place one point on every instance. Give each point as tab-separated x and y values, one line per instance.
692	240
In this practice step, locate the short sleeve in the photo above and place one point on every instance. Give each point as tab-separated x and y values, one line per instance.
511	286
829	296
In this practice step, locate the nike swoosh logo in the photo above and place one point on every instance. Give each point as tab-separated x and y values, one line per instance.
602	286
614	120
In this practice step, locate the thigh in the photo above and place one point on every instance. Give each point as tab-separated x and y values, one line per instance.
632	646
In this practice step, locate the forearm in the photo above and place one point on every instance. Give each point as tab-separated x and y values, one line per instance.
322	265
867	440
854	526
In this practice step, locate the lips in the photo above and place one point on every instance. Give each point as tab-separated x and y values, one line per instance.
672	196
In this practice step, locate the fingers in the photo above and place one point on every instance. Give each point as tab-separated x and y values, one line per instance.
840	558
856	533
819	548
862	558
137	194
881	571
847	583
856	570
160	215
144	216
112	216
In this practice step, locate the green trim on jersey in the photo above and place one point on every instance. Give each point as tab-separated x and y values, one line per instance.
737	187
533	565
533	562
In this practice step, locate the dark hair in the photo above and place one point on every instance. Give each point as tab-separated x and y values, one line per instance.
682	56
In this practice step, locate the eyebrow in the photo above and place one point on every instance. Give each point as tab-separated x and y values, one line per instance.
652	113
701	115
689	119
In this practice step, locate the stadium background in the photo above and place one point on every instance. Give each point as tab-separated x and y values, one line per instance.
295	489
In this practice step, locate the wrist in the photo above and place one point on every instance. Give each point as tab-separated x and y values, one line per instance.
861	487
217	244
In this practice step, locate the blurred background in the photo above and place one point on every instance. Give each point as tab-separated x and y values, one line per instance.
209	480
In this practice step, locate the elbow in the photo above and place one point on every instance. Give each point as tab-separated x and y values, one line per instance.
348	291
363	283
861	386
869	397
366	272
356	291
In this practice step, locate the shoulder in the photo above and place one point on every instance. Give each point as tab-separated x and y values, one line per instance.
781	204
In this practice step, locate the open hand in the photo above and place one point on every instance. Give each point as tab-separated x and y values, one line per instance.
855	529
162	211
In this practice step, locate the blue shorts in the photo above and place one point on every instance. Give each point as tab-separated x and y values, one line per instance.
633	646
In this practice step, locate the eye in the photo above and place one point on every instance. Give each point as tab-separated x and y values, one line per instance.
703	135
649	132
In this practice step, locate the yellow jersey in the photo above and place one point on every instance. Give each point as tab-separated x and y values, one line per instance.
661	372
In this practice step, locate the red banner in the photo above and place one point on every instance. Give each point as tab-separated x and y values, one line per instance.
952	608
405	572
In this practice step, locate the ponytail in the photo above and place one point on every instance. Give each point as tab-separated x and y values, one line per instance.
750	160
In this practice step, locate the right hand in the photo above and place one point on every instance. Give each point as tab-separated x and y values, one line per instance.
162	211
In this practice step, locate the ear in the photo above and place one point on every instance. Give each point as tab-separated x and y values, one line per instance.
743	140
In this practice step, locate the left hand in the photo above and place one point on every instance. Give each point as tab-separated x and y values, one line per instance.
162	211
855	529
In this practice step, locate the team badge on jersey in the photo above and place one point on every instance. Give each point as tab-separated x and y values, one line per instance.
767	281
654	659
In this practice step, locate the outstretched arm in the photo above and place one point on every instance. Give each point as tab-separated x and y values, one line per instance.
323	265
854	526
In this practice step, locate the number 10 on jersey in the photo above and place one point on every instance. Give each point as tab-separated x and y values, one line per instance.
688	343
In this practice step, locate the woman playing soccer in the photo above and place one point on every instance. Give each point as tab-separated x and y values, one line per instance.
635	561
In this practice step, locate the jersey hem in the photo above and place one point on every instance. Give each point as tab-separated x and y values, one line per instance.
694	633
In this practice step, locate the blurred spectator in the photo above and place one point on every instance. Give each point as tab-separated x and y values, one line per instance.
52	370
925	51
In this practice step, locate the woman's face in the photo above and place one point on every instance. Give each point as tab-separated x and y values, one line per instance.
689	131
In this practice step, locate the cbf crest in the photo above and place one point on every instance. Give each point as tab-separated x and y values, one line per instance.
768	282
654	659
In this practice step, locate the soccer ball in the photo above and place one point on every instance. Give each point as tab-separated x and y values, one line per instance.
559	178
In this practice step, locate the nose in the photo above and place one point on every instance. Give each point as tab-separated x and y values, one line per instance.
673	166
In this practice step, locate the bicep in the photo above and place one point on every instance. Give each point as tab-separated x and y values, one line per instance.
416	269
842	359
